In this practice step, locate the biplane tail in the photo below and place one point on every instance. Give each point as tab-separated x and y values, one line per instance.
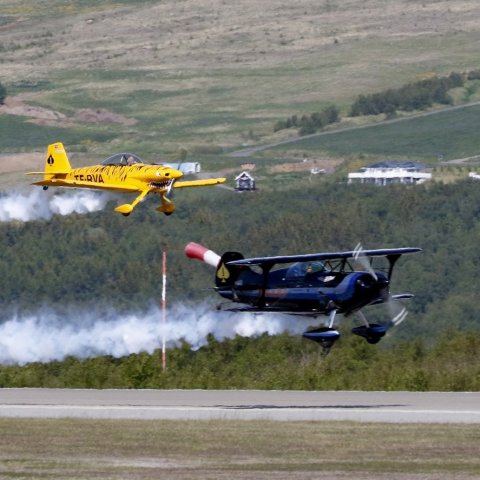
226	275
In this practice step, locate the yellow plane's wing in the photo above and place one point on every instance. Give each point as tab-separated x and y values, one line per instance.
199	183
61	182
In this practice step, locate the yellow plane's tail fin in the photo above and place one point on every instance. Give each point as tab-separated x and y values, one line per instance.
56	160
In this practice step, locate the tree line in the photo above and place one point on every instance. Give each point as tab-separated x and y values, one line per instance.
281	362
308	124
413	96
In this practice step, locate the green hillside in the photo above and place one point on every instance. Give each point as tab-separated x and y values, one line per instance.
447	135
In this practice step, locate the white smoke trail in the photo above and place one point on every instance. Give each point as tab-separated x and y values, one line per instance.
48	336
42	205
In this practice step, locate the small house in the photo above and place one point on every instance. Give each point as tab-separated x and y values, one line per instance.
244	182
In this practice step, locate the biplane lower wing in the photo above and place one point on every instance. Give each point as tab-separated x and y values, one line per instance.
267	309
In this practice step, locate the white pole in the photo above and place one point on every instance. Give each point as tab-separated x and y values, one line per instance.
164	308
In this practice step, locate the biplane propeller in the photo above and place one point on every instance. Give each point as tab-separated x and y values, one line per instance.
317	284
122	172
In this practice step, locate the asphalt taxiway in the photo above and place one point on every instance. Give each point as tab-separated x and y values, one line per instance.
397	407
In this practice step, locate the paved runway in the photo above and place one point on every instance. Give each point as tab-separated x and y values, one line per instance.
401	407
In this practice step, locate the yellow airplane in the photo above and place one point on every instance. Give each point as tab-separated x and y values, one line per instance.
123	172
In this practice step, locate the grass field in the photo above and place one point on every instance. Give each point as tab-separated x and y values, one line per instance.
446	135
201	73
86	449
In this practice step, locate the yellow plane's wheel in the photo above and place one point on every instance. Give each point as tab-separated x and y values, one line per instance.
125	214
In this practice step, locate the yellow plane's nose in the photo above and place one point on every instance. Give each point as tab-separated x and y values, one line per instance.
169	173
176	173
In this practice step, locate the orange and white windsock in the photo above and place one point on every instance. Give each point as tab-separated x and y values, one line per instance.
194	250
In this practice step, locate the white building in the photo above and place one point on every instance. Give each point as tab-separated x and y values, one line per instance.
386	173
474	175
185	167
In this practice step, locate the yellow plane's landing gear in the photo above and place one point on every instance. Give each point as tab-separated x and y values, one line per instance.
125	209
167	207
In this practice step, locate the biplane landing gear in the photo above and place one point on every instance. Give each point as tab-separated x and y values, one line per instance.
45	187
325	336
371	332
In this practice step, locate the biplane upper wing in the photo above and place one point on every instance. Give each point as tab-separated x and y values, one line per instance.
384	252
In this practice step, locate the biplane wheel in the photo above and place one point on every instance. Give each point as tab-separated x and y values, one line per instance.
125	214
167	213
45	187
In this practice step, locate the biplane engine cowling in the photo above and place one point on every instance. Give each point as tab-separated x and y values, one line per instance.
367	286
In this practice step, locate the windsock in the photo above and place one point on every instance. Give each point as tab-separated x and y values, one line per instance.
194	250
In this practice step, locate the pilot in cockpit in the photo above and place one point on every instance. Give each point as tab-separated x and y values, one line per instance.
127	160
314	270
307	270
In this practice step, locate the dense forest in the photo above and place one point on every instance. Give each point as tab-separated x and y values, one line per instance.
104	258
103	261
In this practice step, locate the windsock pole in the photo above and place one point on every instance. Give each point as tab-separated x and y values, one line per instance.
164	309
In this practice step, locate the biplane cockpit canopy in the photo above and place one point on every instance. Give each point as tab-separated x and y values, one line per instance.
300	269
122	159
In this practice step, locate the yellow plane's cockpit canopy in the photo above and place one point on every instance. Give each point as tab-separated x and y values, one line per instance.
122	159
